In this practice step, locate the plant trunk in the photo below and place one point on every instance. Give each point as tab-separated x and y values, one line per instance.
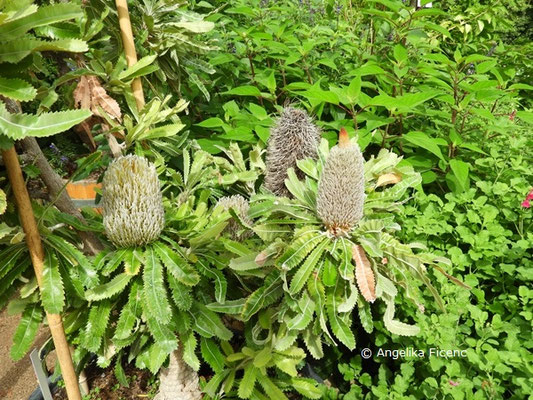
178	381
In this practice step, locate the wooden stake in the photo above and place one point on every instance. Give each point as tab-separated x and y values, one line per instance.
33	241
129	49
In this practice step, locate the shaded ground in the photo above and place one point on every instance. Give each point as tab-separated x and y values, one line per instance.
17	379
104	384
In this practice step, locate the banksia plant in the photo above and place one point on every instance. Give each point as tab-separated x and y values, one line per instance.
241	206
294	137
341	188
132	202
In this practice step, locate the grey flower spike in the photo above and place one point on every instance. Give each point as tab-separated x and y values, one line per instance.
341	188
132	202
293	137
241	206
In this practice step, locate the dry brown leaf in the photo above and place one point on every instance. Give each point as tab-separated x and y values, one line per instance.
100	98
364	274
388	179
82	93
261	258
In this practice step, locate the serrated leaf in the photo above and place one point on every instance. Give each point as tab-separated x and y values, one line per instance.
162	334
132	262
109	289
52	292
16	50
221	284
115	260
208	324
133	71
307	388
365	315
308	239
45	15
397	327
228	307
302	275
17	89
129	313
364	274
340	329
176	265
346	269
270	388
189	346
212	354
96	326
313	343
154	288
26	331
349	303
304	316
247	383
181	294
19	126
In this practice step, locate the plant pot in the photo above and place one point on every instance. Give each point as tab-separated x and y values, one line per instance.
83	193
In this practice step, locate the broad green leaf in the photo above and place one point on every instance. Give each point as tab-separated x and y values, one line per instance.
244	91
109	289
214	122
189	346
460	170
17	89
247	384
212	354
154	288
52	292
422	140
176	265
19	126
134	71
26	331
16	50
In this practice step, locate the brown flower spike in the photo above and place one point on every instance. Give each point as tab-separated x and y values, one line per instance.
341	188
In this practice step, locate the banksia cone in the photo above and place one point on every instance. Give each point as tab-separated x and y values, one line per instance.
294	137
132	202
241	206
341	188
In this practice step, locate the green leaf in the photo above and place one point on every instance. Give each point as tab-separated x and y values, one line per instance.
300	277
422	140
212	354
19	126
176	265
189	347
228	307
262	358
26	331
129	313
17	89
208	324
270	388
109	289
307	239
320	95
221	285
52	292
460	170
45	15
3	202
246	90
162	333
305	314
247	384
181	294
154	289
197	26
96	326
214	122
136	69
307	388
339	327
16	50
397	327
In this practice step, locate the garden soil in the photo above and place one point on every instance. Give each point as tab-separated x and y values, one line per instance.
17	379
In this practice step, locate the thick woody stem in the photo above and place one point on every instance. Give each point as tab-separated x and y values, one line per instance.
35	247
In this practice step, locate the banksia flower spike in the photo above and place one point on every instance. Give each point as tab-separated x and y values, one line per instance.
241	206
294	137
341	188
132	202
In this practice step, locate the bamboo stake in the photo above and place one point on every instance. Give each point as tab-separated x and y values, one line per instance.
33	241
129	49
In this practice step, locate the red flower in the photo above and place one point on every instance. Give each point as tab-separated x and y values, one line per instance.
453	383
530	195
526	204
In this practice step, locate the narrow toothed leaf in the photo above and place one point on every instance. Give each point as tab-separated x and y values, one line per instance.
154	288
212	355
52	292
176	265
221	284
26	331
181	294
307	239
397	327
302	275
189	350
96	326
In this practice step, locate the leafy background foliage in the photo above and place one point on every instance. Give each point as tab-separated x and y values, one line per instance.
447	88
